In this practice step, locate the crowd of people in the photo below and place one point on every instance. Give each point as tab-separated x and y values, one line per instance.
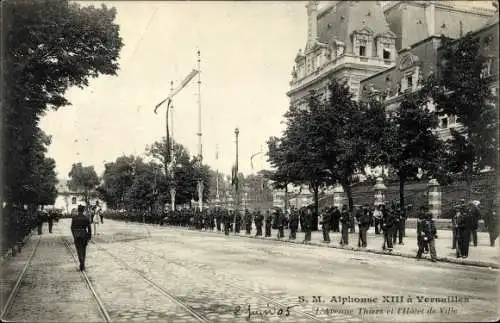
389	222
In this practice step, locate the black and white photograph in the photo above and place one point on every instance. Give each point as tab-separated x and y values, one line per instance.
249	161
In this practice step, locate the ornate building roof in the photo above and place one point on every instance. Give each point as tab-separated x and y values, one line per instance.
339	21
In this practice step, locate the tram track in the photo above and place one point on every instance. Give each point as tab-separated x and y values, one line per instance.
12	295
154	285
246	290
87	282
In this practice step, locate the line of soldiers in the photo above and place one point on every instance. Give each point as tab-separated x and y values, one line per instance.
389	221
465	221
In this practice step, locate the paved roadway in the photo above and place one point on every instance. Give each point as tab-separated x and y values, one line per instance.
145	273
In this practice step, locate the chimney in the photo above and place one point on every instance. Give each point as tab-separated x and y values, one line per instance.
430	17
312	22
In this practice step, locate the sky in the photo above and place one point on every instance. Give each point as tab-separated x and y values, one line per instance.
247	54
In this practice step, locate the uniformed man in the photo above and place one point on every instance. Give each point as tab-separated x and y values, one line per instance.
476	216
465	225
237	221
218	218
490	222
345	224
248	222
280	222
302	217
50	220
426	233
40	219
387	227
364	219
399	224
454	228
227	217
336	219
269	221
259	219
294	224
326	220
82	233
308	225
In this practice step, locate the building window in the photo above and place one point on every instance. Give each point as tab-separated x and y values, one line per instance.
487	67
444	123
362	50
73	200
386	54
409	81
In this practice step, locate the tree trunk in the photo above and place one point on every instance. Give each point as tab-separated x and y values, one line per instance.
316	207
286	198
348	192
402	195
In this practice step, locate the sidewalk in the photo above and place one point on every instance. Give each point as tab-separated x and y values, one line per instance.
482	256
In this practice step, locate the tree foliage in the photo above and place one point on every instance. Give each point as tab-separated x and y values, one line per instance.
48	47
409	142
83	179
461	88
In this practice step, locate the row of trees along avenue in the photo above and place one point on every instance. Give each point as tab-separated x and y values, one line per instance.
335	138
49	46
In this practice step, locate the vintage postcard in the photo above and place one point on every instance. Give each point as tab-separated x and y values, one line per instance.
249	161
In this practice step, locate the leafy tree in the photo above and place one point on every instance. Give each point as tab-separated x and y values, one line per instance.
186	173
345	134
49	46
84	179
117	179
409	142
461	88
301	153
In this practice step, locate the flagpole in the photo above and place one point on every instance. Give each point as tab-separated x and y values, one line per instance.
172	162
237	193
217	178
200	151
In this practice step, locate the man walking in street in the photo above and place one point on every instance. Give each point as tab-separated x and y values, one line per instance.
465	224
335	219
226	217
82	233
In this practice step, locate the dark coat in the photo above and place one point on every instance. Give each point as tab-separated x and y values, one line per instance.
80	227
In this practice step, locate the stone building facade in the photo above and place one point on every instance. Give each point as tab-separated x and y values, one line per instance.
355	40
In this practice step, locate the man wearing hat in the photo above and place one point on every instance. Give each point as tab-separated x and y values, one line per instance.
82	232
364	219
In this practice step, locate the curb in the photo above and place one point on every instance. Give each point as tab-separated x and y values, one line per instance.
459	261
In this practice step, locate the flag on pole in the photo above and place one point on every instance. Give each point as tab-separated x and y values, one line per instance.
179	88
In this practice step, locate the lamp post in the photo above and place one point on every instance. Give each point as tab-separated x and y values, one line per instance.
379	189
237	195
434	196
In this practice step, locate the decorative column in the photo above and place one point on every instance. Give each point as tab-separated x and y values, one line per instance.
338	196
434	196
379	188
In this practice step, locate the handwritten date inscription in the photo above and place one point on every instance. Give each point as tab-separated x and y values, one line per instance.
266	311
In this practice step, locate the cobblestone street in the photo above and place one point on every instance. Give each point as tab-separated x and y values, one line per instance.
151	273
